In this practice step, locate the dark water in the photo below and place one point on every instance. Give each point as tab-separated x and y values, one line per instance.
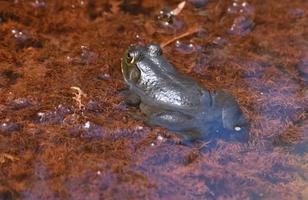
59	142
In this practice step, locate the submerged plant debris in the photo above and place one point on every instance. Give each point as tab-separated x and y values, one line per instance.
83	143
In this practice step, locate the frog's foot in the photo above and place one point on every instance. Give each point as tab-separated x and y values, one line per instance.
206	99
229	111
233	118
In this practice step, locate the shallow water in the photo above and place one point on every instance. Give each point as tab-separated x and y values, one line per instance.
62	143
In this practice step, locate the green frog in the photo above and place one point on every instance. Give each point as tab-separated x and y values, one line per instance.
175	101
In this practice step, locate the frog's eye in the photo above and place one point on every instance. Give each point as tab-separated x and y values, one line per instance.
130	59
154	50
134	75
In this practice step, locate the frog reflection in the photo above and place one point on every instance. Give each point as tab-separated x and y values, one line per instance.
174	101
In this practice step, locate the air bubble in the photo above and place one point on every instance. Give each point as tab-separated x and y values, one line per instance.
241	26
186	48
241	8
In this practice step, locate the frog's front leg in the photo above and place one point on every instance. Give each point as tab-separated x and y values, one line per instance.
130	98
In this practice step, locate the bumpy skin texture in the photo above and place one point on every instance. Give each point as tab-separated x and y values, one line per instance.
172	100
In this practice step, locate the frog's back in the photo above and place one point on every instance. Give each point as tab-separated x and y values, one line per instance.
174	91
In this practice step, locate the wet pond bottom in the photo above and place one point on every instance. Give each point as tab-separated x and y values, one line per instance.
66	133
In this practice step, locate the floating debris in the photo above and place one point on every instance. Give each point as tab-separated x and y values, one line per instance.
8	127
56	116
19	103
167	20
169	14
241	26
24	41
220	41
178	9
39	4
93	106
187	48
87	130
104	76
87	56
78	97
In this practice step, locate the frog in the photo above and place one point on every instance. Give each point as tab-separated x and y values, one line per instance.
172	100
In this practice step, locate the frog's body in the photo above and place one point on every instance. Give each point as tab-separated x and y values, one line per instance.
175	101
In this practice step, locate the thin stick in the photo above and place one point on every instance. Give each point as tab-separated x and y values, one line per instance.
187	33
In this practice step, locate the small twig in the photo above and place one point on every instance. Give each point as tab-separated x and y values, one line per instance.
78	96
187	33
204	144
6	156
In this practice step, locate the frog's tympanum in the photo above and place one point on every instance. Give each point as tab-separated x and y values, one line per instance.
174	101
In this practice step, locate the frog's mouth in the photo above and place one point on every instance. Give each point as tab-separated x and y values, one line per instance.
130	71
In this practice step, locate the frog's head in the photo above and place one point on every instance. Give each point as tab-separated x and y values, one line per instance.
136	59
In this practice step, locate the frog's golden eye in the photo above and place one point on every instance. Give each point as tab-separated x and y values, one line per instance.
154	50
130	59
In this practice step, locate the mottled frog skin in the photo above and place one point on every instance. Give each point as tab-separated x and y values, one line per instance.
174	101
